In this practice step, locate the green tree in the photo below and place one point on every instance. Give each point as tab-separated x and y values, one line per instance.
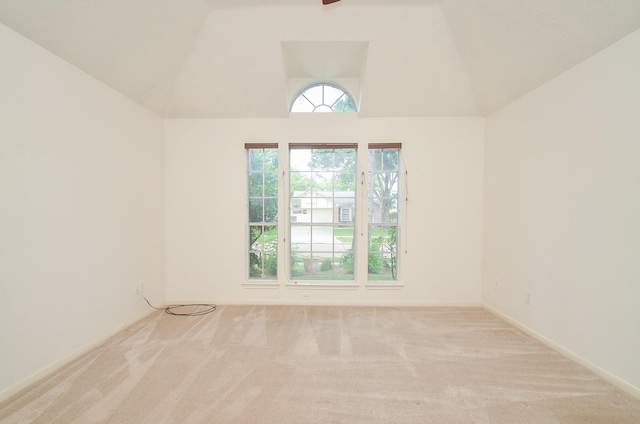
341	162
383	167
300	181
344	104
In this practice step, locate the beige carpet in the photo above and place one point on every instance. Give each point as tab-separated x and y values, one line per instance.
288	364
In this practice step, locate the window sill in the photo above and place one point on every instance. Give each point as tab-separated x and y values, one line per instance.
384	285
335	284
260	284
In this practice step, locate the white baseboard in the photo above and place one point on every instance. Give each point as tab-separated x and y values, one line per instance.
272	302
605	375
55	366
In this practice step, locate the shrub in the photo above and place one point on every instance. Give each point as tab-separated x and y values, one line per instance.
326	264
346	260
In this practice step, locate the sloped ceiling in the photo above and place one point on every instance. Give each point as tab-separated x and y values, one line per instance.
226	58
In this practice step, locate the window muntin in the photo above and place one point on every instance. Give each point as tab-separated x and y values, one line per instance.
323	98
383	183
262	202
322	183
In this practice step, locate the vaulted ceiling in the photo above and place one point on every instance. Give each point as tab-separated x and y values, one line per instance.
248	58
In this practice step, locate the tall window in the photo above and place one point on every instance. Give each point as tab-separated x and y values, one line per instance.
263	210
322	204
383	211
323	98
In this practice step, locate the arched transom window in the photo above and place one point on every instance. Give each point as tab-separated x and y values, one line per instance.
323	98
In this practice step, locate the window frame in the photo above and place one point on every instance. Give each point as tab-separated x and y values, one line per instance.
316	105
336	223
396	225
264	279
360	228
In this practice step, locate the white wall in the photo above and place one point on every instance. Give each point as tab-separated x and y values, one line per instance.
205	207
81	210
562	210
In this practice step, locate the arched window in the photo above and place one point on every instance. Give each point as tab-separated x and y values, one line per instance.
323	98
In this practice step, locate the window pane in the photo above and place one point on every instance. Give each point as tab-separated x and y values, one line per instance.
270	250
343	238
389	210
391	183
271	184
383	185
375	160
299	159
255	210
331	95
383	210
382	253
345	160
390	159
270	210
255	237
301	182
344	104
322	182
255	184
256	159
322	159
314	95
301	104
344	182
301	237
344	248
271	159
322	211
322	239
255	265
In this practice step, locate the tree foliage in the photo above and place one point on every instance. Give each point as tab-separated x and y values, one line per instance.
341	163
383	172
344	104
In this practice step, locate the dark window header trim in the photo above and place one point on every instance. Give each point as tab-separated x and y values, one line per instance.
260	145
385	145
293	146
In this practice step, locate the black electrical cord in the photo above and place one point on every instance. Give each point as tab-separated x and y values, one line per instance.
170	309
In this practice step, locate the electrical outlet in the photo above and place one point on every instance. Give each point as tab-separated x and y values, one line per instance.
528	297
305	296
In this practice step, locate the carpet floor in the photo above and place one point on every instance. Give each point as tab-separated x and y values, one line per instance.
317	364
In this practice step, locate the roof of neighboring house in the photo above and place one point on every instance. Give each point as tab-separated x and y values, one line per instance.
343	199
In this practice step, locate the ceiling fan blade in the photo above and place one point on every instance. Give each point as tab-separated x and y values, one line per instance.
326	2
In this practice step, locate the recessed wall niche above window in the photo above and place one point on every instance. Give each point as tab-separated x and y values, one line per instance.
323	98
321	67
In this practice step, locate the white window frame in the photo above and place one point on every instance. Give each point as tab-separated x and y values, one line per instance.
397	225
287	207
323	103
314	201
264	279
